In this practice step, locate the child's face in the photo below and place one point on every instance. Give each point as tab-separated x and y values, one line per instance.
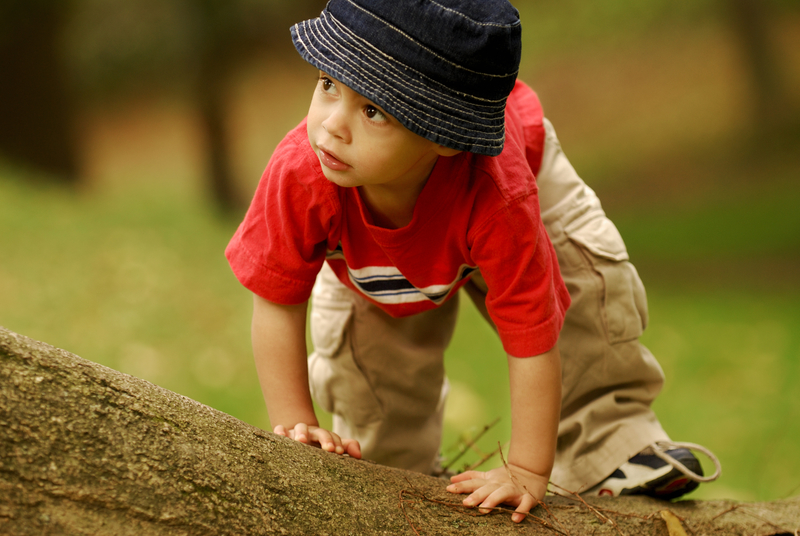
358	144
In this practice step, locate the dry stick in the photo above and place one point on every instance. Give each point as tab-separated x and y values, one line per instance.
744	511
469	511
459	507
601	517
515	481
605	519
729	510
485	458
470	443
768	522
403	508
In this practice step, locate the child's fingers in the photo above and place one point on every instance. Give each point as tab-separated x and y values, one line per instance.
328	441
487	491
332	442
466	486
498	494
480	497
469	475
478	491
524	507
352	448
300	432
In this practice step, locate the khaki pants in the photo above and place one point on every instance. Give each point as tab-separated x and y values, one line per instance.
383	378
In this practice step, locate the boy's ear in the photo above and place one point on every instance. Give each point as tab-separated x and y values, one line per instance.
441	150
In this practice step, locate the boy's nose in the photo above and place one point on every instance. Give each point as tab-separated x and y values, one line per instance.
336	124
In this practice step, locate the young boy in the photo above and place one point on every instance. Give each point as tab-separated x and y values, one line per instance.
424	167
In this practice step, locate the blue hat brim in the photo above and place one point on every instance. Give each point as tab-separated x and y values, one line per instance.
423	105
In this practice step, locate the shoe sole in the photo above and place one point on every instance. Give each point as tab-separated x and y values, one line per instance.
671	485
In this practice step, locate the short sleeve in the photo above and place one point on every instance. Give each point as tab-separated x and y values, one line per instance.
280	245
527	298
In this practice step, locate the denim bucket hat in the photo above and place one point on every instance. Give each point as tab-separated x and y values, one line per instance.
443	68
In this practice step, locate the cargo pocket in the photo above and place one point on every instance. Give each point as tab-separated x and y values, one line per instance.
624	300
337	382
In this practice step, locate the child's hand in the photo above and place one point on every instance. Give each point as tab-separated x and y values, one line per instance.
491	488
327	441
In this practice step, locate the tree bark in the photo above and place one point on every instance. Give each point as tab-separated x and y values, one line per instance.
751	23
37	124
88	450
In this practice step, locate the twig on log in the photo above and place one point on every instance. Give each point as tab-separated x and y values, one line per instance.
484	458
603	519
403	508
469	444
726	511
418	495
539	502
743	508
768	522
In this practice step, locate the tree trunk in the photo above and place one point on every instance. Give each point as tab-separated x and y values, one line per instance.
88	450
36	105
751	23
210	96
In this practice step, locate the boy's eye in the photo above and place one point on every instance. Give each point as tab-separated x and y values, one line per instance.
374	114
327	84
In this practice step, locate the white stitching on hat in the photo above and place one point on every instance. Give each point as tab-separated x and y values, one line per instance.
479	23
389	63
401	32
493	113
366	82
484	134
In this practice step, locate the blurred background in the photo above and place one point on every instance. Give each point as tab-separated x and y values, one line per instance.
132	136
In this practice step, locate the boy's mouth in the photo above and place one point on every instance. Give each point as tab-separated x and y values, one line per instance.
329	160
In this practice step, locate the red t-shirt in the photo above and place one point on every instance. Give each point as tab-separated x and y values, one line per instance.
475	213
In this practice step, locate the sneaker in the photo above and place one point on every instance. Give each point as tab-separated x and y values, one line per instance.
664	470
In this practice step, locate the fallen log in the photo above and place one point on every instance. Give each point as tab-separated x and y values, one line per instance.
86	450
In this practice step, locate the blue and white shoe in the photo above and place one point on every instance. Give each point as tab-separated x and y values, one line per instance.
664	470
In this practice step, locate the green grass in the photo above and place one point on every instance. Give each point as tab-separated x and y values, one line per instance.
138	282
732	361
749	224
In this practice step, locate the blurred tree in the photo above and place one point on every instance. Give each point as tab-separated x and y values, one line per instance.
752	22
217	40
226	33
36	106
189	47
106	49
